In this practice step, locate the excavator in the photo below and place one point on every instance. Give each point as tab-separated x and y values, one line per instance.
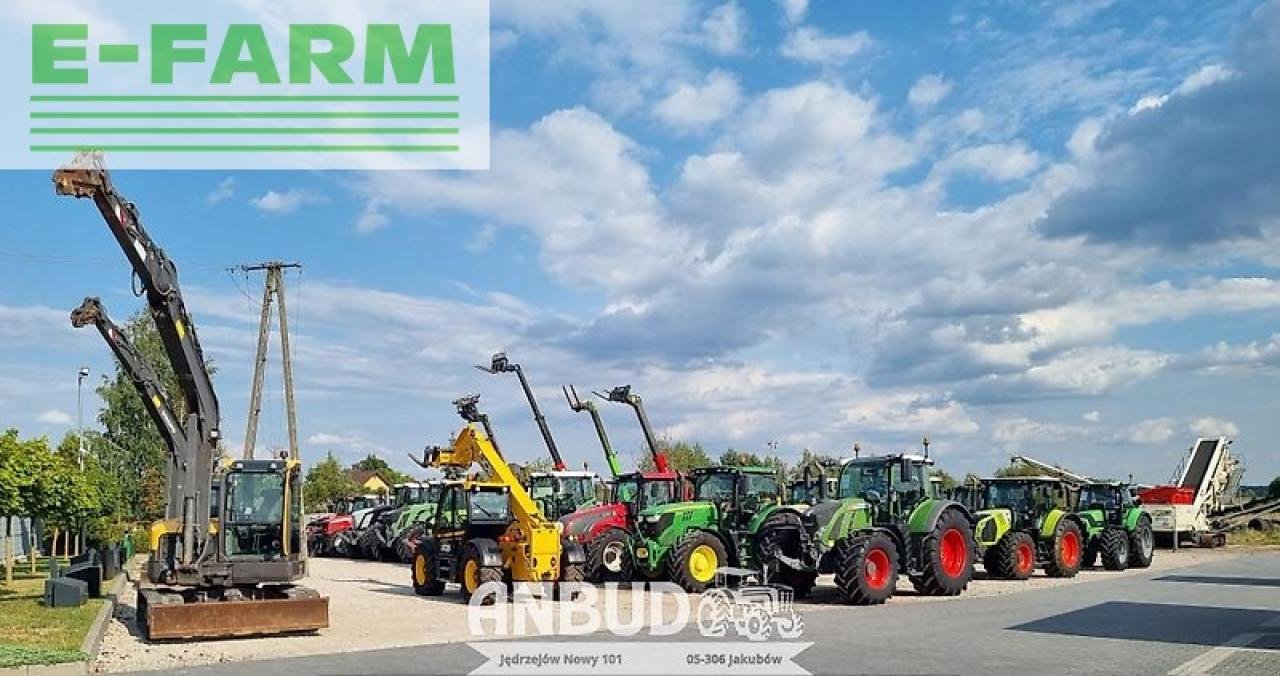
606	531
487	528
225	557
561	491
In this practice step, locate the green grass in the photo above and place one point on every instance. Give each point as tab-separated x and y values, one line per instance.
1254	537
33	634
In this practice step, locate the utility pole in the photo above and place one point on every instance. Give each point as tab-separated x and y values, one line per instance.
272	292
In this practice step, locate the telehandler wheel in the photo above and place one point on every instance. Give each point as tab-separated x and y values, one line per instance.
1142	543
1065	553
475	574
1013	558
574	574
866	568
946	555
693	562
426	579
609	557
1113	545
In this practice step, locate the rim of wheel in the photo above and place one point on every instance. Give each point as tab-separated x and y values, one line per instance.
612	555
420	569
703	563
953	551
1070	547
471	576
1146	541
1026	557
875	569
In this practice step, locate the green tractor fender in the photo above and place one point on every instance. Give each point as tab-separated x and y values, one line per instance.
1055	516
991	525
1133	517
838	520
674	520
925	516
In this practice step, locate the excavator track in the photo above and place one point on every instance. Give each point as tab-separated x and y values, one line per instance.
165	614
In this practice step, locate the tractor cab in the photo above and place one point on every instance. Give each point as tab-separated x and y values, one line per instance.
1112	498
563	492
737	492
1028	497
638	490
891	484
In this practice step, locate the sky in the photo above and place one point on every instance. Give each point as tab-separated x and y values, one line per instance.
1045	228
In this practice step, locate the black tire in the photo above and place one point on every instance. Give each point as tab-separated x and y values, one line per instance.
609	557
1013	557
408	541
1090	559
1113	546
867	568
946	554
1142	544
426	575
484	574
1064	556
682	557
574	574
781	533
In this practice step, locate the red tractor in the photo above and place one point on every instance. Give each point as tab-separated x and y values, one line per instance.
606	530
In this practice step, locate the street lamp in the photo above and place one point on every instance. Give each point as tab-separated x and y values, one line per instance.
84	373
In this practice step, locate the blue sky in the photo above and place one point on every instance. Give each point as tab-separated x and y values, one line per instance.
1042	227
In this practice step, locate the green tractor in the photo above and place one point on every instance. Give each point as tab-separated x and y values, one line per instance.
1117	529
414	519
889	518
690	540
1025	522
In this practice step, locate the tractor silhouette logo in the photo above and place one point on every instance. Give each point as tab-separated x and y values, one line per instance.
756	612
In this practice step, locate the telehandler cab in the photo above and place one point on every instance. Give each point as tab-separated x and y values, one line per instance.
487	528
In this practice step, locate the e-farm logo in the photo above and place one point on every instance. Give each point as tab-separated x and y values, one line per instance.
381	84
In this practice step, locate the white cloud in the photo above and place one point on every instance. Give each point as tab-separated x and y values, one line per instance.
694	106
1013	432
1213	427
372	217
811	45
1153	431
483	238
794	10
994	161
1092	416
330	439
285	202
54	416
725	28
1071	12
225	190
928	91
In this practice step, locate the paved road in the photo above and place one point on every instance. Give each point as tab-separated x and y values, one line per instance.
1154	623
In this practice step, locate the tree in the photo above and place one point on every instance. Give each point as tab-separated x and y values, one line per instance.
947	481
734	458
15	477
1019	469
682	455
326	483
372	463
1273	491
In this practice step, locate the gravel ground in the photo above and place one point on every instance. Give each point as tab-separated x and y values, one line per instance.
372	606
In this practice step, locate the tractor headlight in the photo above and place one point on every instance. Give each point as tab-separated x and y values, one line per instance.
652	518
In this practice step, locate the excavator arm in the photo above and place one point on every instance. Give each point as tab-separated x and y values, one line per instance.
1066	475
137	368
622	395
500	364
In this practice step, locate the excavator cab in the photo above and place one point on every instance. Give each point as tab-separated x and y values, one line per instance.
263	504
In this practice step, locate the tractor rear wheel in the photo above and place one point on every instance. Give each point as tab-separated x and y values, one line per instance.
475	575
946	554
426	576
609	557
1113	545
866	568
1142	543
693	562
1013	558
1065	552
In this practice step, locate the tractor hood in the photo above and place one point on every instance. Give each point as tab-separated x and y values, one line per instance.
676	508
580	523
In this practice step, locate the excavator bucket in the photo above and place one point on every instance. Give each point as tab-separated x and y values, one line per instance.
168	616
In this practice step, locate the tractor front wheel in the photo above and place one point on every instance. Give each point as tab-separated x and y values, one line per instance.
780	534
947	556
1066	552
1142	543
694	561
426	578
407	543
1113	545
866	568
1013	558
609	557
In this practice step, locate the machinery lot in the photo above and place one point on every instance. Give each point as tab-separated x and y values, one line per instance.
372	606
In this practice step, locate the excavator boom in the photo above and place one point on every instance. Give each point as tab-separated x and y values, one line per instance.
578	406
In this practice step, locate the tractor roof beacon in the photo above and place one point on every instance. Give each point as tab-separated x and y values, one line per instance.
888	519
